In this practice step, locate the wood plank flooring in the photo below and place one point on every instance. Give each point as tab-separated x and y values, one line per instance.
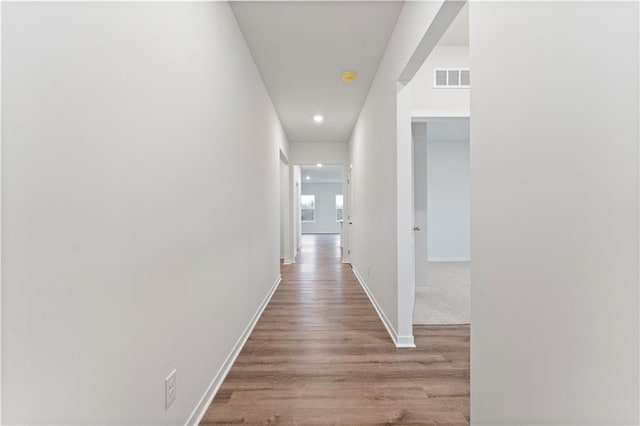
319	355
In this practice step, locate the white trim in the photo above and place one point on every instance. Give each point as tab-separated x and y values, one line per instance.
201	408
289	261
405	234
405	342
1	256
449	259
399	341
439	115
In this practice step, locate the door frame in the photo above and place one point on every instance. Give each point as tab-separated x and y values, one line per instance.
344	237
286	210
347	200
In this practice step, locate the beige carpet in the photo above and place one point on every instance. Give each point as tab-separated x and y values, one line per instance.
446	297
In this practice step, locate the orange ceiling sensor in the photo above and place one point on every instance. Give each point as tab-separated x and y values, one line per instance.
348	76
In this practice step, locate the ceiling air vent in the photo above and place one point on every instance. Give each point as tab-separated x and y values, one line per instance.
451	78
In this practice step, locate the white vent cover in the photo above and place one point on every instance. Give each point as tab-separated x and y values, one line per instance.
451	78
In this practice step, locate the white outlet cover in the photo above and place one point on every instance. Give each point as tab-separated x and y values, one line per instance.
169	389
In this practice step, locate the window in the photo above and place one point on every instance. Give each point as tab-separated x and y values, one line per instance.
308	208
339	208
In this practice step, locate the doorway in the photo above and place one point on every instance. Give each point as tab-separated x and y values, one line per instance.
441	176
322	209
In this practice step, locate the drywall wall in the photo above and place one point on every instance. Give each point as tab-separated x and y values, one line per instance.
554	195
134	194
427	101
317	152
325	215
448	168
373	154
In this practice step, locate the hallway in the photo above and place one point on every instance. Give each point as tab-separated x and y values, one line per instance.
320	355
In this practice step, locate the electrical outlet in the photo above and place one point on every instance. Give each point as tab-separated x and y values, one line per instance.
169	389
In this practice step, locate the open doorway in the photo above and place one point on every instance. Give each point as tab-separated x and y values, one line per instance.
322	201
442	215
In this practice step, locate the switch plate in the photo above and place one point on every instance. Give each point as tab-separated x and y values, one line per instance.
169	389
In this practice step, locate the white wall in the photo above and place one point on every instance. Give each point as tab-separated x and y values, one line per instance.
130	189
554	187
317	152
325	214
373	154
448	219
429	102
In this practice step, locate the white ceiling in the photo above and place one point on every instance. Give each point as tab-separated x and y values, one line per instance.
301	49
324	174
458	32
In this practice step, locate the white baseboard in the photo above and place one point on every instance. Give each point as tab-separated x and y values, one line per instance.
212	389
449	259
405	342
289	261
399	341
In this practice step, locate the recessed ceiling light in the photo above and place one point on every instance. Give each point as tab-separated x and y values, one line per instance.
307	178
319	165
318	118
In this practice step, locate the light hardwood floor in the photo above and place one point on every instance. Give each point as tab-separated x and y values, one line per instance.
320	355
